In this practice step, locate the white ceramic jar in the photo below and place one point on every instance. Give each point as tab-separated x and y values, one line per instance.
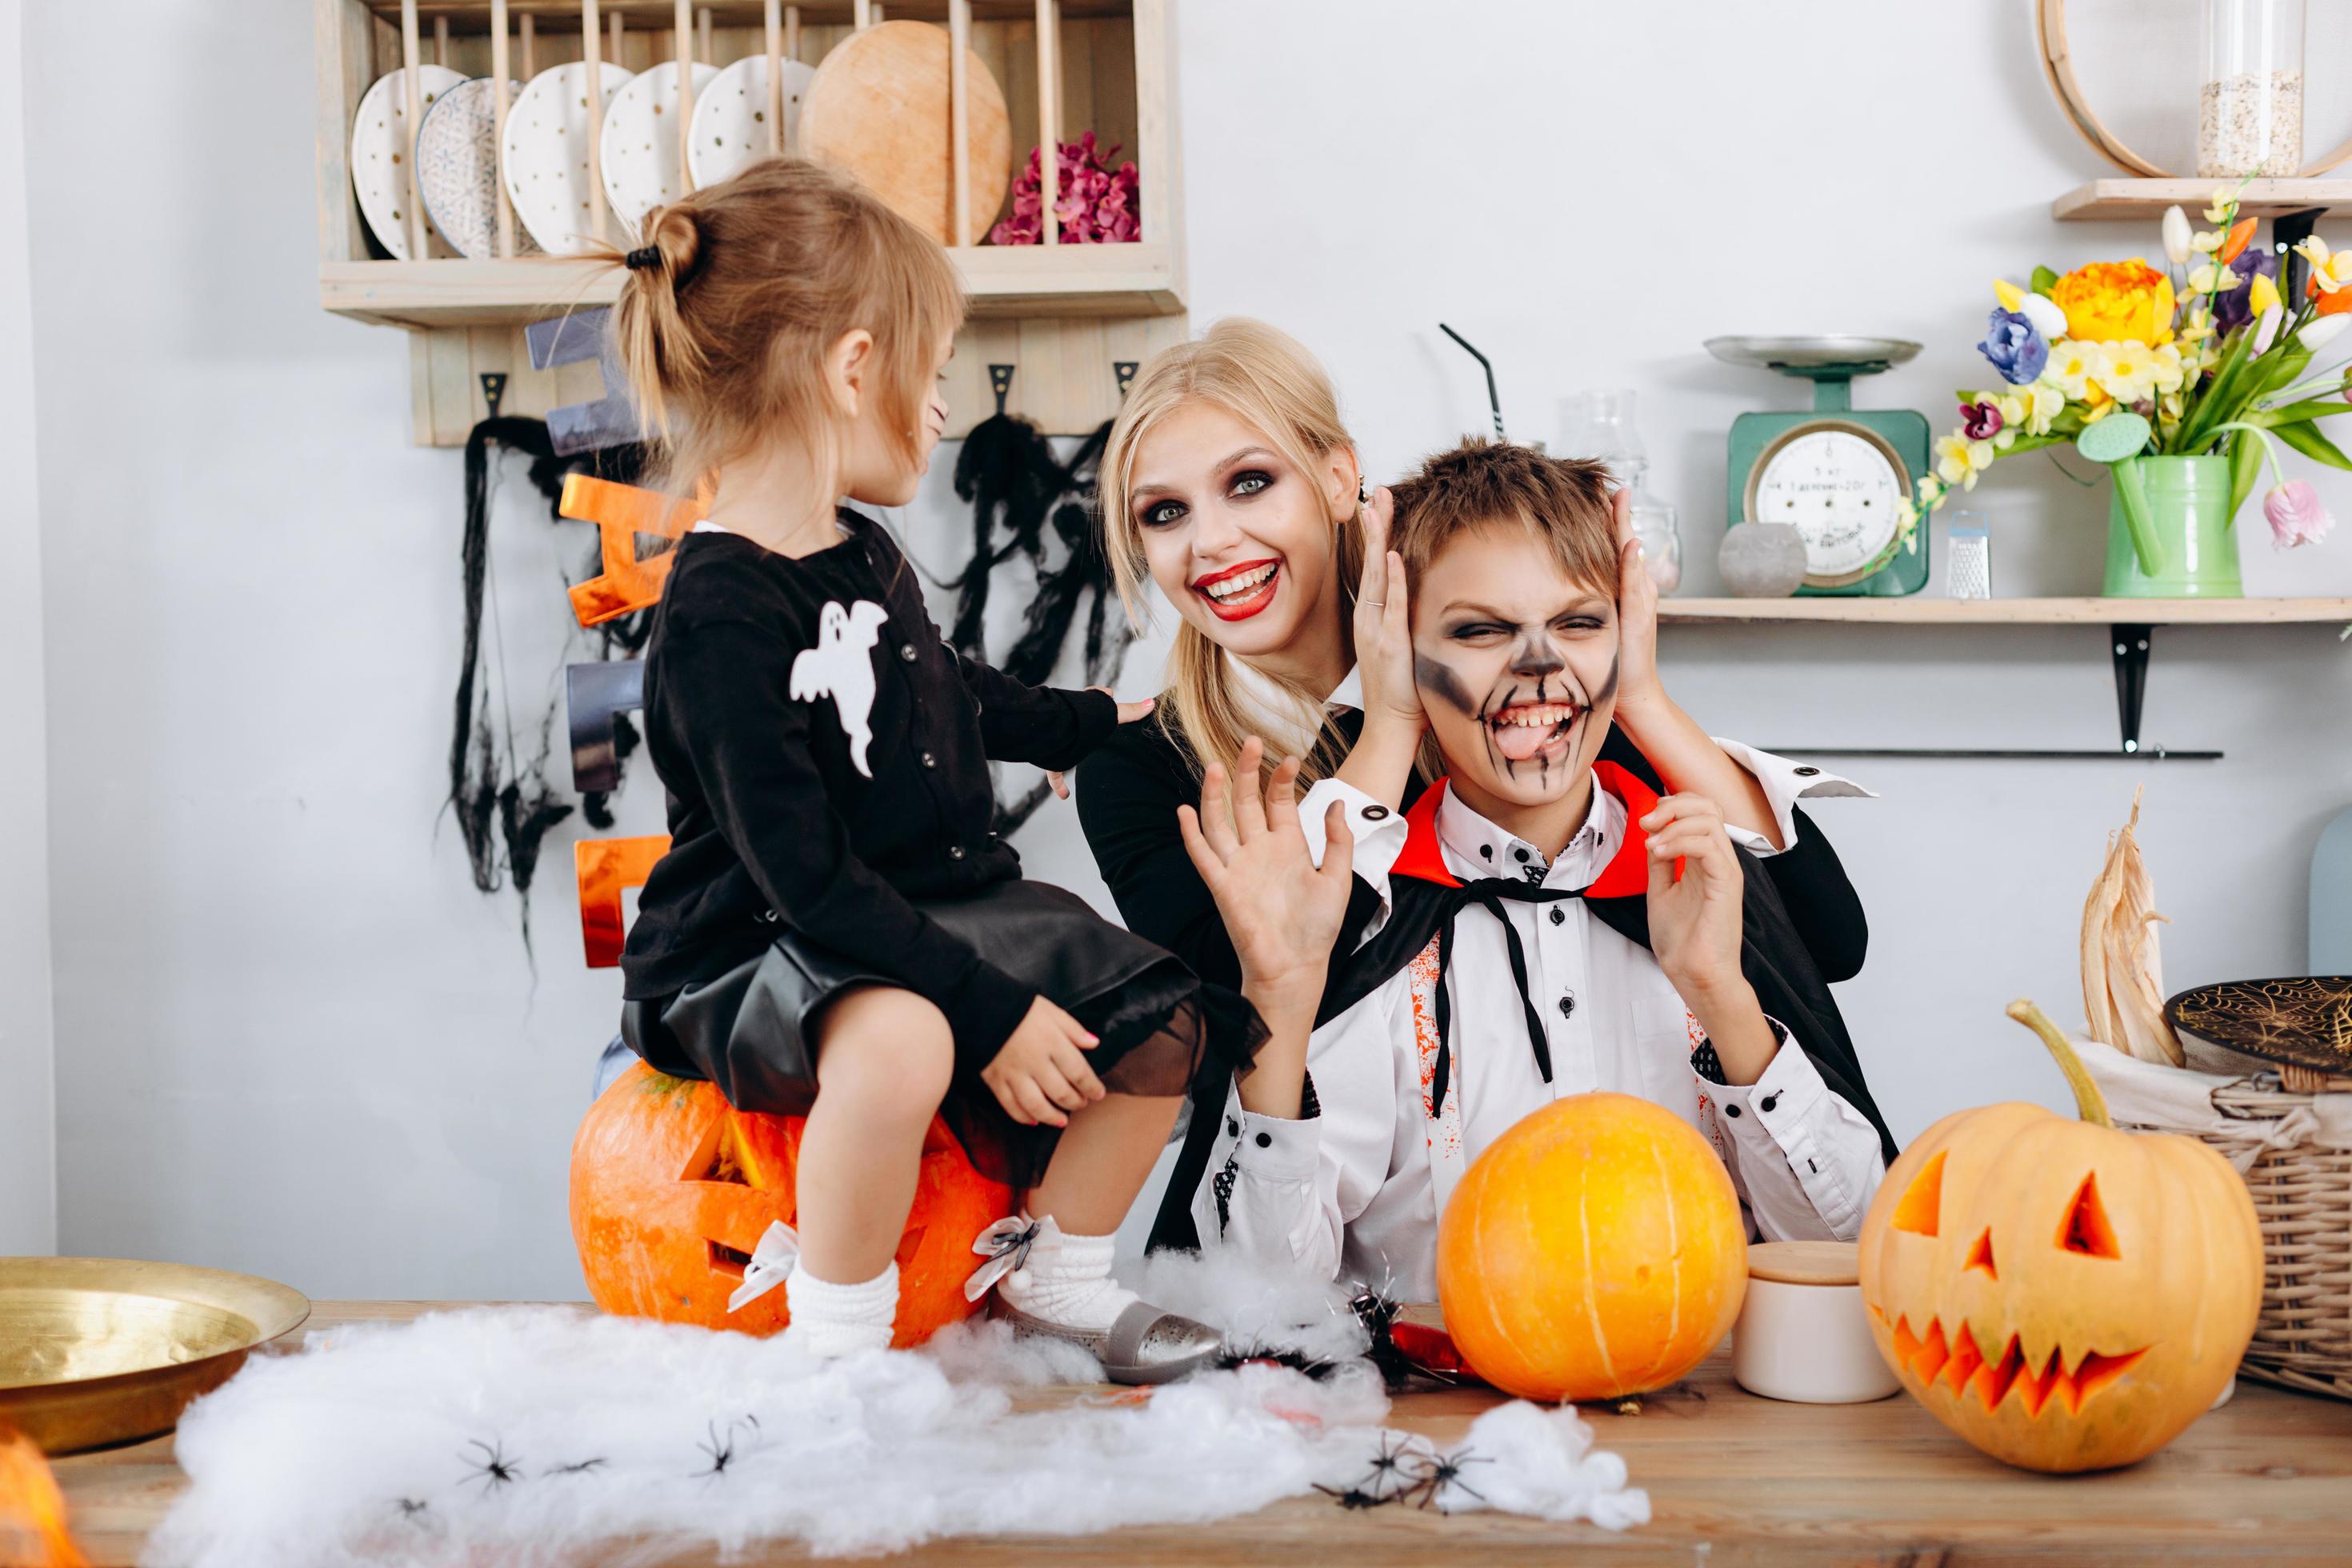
1802	1334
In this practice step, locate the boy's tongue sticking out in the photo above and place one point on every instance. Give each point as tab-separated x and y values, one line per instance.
1527	729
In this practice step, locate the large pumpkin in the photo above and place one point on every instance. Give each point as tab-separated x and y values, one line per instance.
672	1189
1593	1251
2063	1295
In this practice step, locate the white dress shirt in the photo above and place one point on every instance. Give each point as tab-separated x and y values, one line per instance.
1356	1189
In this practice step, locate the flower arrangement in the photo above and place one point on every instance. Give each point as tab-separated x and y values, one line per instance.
1094	203
2205	358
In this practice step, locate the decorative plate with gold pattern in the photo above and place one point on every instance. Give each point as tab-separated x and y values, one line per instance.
2306	1020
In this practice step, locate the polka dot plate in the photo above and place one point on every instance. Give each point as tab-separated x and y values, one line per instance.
731	121
383	143
641	132
548	177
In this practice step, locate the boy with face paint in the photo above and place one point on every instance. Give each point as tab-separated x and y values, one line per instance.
1548	925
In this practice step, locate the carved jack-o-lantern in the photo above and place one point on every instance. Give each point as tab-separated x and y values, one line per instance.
2063	1295
672	1189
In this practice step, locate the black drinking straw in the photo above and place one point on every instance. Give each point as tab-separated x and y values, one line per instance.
1494	401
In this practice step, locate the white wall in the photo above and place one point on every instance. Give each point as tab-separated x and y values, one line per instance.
294	1040
29	1197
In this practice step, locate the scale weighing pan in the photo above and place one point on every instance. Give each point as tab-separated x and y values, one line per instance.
97	1351
1835	352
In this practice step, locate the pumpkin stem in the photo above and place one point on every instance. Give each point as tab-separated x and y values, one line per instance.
2089	1103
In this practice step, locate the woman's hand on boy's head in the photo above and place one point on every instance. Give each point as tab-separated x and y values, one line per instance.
1282	911
1637	615
1383	625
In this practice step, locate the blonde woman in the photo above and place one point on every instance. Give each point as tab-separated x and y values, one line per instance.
1229	484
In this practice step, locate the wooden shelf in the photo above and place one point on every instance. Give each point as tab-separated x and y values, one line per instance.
1922	611
2108	201
1086	281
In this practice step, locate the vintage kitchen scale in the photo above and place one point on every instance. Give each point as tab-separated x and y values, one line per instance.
1842	474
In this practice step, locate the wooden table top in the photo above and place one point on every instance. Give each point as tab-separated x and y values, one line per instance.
1731	1479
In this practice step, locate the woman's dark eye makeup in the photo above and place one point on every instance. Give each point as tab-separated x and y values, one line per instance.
1160	513
1249	482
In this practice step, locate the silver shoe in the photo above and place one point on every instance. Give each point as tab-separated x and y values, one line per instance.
1145	1345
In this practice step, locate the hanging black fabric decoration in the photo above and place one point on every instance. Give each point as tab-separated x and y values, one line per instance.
1008	470
503	803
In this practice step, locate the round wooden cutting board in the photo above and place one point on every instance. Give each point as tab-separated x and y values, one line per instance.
880	108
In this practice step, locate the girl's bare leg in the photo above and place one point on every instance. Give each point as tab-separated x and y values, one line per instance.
883	1060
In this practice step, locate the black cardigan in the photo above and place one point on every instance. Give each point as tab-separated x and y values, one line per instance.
773	820
1129	791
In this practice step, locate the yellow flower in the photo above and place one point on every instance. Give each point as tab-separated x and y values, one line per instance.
2197	324
2264	296
2206	278
1959	460
2011	296
2224	207
2072	367
2330	270
2113	301
2048	403
2171	371
2130	372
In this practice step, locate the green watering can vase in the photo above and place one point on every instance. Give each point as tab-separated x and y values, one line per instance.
2169	519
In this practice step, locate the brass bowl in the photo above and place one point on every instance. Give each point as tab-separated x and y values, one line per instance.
96	1350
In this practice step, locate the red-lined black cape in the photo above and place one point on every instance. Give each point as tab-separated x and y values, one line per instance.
1423	894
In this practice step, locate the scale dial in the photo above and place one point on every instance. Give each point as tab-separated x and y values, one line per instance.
1843	486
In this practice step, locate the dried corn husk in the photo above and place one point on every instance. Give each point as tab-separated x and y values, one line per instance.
2122	972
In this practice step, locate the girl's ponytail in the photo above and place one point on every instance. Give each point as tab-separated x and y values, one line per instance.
659	352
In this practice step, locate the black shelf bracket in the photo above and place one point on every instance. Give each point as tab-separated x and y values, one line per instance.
2130	643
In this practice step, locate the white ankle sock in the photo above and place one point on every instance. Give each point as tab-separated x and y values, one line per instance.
1068	1281
830	1320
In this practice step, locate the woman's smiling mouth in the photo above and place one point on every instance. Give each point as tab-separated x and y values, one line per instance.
1525	731
1240	591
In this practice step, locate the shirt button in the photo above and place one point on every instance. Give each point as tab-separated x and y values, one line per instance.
1558	915
906	652
1807	772
1266	1139
1520	856
1233	1127
1568	1005
768	917
1487	850
1768	1102
1374	813
929	760
1731	1110
955	851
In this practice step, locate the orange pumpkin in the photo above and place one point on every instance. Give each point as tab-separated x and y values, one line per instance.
1593	1251
672	1189
2065	1295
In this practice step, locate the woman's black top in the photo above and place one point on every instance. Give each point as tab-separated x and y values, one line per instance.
1129	789
825	755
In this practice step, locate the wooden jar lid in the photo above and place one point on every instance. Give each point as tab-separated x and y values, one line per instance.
1806	1262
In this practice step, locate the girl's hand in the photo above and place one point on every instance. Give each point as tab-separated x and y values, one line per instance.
1694	923
1041	1073
1383	634
1129	712
1282	911
1637	616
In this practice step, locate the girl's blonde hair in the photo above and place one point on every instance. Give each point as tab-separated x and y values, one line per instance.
1268	381
739	289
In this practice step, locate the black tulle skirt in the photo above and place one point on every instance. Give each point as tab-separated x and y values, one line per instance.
748	1030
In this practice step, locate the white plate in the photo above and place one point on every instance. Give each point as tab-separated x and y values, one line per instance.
382	144
730	119
547	155
457	167
641	170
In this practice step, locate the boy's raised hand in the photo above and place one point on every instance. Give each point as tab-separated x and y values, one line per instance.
1695	921
1282	911
1637	614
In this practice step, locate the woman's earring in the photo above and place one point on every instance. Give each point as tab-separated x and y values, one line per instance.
1363	494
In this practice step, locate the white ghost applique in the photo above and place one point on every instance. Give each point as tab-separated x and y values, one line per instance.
841	667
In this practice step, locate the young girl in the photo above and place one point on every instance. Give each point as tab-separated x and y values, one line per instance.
837	931
1546	924
1231	485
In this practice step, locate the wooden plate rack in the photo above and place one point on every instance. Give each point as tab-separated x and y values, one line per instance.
1068	318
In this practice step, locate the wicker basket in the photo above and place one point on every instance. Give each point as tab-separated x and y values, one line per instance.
2303	1194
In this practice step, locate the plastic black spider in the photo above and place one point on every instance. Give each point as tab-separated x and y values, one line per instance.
413	1507
494	1468
582	1469
1444	1470
722	1449
1356	1497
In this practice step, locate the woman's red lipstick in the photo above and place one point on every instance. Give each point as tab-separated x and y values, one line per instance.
1249	601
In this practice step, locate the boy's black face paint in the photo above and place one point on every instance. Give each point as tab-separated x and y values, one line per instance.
1534	657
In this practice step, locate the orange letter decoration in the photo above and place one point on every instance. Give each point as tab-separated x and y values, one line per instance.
621	512
606	867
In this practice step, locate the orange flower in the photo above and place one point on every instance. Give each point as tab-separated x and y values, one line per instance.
2335	304
2239	232
2117	302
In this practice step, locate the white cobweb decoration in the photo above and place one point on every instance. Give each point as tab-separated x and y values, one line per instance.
537	1436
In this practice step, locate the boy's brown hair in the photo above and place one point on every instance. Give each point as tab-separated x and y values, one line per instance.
1563	501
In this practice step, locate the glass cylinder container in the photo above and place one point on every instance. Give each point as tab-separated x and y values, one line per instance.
1598	424
1967	556
2249	119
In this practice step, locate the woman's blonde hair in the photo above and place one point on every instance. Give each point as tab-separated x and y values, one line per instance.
1268	381
728	307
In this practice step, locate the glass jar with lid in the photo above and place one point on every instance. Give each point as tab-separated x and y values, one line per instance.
1598	424
2250	118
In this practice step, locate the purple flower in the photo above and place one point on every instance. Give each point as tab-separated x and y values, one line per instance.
1981	421
2296	515
2235	308
2015	349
